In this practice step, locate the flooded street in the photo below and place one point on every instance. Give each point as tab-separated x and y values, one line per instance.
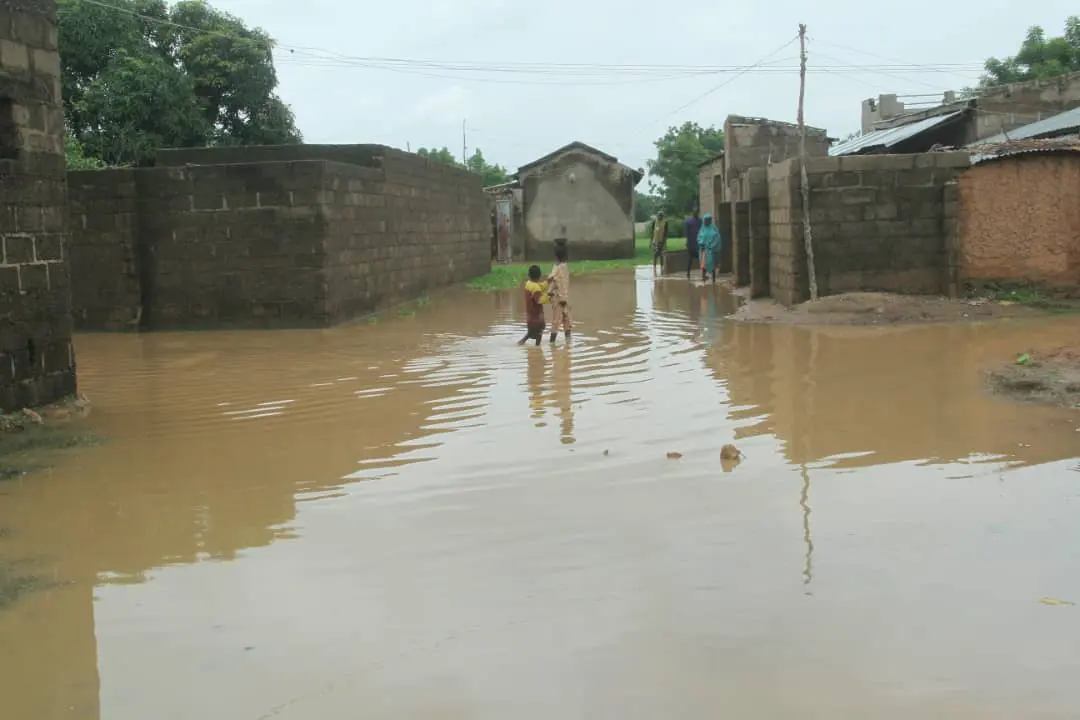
415	518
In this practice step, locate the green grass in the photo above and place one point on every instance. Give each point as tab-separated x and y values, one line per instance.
507	277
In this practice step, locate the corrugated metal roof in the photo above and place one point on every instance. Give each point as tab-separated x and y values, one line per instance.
1055	125
890	137
998	151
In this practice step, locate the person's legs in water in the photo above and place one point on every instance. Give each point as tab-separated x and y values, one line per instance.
561	319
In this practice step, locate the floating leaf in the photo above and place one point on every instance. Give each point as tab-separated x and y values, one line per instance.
1055	602
1024	359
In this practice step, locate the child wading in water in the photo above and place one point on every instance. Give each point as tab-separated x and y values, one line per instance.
536	296
559	284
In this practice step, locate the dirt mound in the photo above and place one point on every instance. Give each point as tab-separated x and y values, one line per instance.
1047	376
870	308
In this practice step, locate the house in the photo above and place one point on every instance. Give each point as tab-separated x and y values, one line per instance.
578	193
889	126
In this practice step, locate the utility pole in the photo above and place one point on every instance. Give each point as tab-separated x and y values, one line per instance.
464	146
808	236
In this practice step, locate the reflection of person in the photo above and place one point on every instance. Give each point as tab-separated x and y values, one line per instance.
537	368
535	299
559	286
692	227
561	384
659	238
709	242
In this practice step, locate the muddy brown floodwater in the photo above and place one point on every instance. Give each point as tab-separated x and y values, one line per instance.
418	519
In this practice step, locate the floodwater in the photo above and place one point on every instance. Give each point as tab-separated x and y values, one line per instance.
418	519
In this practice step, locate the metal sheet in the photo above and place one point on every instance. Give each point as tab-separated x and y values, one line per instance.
1063	123
891	136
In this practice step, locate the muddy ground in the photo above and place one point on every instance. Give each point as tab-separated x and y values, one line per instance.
1048	376
29	438
866	308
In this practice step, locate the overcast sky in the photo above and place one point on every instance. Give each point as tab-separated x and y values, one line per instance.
520	117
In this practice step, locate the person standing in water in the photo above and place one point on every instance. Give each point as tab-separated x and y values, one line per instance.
692	227
536	296
559	290
709	242
659	238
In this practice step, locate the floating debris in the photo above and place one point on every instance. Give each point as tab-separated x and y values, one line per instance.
730	452
1055	602
674	455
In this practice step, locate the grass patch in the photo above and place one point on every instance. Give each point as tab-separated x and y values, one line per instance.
508	277
24	450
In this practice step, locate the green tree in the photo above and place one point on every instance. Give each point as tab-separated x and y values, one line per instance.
492	174
678	154
645	206
1039	57
159	75
76	156
442	155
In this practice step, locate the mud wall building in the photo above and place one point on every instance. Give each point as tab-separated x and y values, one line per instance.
879	223
289	236
581	194
37	363
1020	215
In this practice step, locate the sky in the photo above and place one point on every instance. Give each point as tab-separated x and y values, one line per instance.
861	48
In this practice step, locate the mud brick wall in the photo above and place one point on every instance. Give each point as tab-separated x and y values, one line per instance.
880	223
400	231
37	363
1019	220
104	230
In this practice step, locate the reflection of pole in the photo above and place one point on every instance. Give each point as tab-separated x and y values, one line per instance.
807	235
804	502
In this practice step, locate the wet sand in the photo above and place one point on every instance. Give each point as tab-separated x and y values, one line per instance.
417	518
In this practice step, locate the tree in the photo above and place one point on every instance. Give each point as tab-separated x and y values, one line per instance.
645	206
158	75
1039	57
76	156
491	174
443	155
678	154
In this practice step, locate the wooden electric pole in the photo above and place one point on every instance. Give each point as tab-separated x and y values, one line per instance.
464	146
808	236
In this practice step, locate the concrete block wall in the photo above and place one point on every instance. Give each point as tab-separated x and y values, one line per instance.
398	232
879	222
759	246
104	231
292	243
759	142
37	363
1011	106
740	235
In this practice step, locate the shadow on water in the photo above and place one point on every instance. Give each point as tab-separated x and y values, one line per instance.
421	519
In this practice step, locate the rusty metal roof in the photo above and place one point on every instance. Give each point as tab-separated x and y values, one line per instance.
1064	123
891	136
998	151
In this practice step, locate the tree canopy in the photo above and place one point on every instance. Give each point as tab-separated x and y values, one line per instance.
161	75
645	206
678	154
492	174
1039	57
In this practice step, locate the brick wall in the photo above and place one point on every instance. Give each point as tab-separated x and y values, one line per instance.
1020	220
1011	106
880	222
295	243
37	363
758	142
710	175
104	229
740	232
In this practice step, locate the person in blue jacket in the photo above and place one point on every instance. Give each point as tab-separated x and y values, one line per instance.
709	241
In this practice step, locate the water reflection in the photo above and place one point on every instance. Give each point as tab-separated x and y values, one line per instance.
342	522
